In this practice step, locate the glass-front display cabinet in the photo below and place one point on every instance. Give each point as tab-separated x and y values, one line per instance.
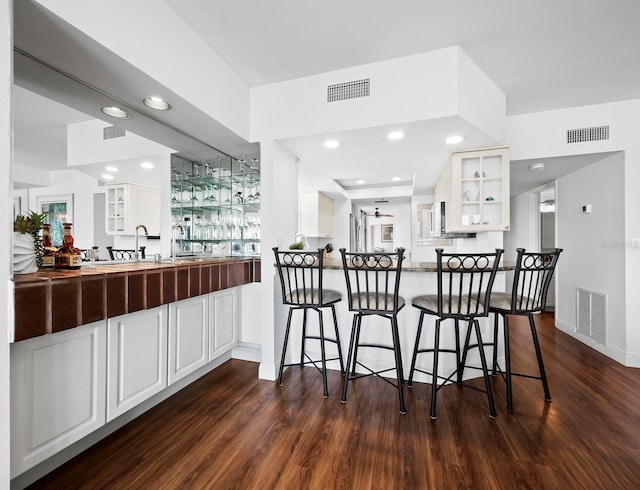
215	206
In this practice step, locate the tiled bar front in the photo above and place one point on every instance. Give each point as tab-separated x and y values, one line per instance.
52	301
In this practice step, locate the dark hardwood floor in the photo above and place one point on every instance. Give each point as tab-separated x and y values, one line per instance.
231	430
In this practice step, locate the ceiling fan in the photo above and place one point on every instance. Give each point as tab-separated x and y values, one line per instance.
378	214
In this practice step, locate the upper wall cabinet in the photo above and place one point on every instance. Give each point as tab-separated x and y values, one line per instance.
130	205
475	187
316	215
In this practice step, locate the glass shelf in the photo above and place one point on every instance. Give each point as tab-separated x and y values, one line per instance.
217	203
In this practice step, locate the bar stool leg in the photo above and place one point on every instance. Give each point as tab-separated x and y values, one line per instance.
356	344
284	348
325	392
343	399
457	333
434	375
507	362
398	356
495	344
536	344
335	326
415	350
485	372
304	335
465	350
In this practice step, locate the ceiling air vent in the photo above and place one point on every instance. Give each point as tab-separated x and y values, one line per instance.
596	133
111	132
348	90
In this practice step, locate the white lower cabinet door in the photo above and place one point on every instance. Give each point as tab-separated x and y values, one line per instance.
188	336
58	386
222	322
137	358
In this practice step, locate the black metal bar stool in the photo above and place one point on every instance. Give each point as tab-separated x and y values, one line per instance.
301	280
373	280
464	289
528	296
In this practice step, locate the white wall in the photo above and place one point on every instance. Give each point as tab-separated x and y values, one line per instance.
523	232
543	134
6	286
413	88
279	224
593	244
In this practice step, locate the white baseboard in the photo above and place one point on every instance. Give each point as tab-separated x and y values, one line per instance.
612	352
246	351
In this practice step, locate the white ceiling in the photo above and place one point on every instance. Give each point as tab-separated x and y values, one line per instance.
543	55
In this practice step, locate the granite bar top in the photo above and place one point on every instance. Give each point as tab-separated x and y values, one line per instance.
335	263
50	301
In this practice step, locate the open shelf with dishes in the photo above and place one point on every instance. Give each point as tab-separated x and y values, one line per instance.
215	206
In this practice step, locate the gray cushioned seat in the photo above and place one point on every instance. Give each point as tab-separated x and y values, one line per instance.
312	296
429	302
502	301
371	301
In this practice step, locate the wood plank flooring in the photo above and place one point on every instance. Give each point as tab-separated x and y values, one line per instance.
231	430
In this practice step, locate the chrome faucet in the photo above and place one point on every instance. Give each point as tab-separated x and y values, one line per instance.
302	238
136	249
173	239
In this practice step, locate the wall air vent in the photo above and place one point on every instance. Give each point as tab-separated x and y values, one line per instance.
582	135
592	314
348	90
111	132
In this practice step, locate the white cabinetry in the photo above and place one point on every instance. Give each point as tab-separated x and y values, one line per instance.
58	386
188	336
130	205
222	324
137	365
475	187
316	215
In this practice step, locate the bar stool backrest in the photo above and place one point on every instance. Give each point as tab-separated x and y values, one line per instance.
373	280
533	274
124	254
300	276
465	282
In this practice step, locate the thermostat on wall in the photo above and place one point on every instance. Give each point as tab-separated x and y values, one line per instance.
586	209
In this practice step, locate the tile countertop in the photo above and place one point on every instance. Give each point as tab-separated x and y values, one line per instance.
50	301
334	263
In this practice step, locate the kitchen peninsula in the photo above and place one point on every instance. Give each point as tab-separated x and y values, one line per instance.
95	347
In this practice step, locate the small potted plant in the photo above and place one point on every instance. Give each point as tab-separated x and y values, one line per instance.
328	248
27	244
296	246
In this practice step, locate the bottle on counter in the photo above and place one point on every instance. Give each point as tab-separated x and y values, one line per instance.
68	256
49	254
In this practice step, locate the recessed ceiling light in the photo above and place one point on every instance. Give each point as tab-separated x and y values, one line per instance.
395	135
331	144
537	166
454	139
115	112
107	176
396	179
147	165
111	168
360	181
156	103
